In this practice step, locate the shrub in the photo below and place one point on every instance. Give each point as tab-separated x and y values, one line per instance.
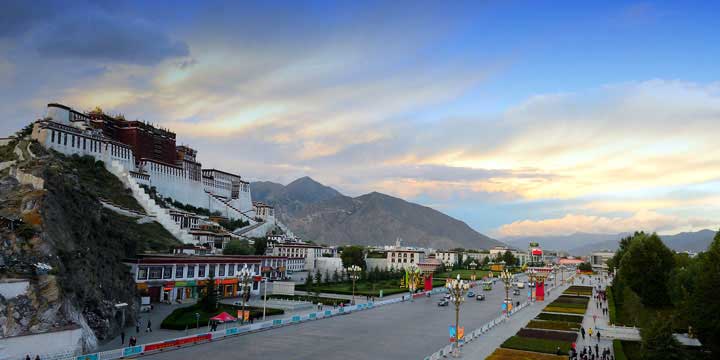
560	317
537	345
618	350
568	305
184	318
312	299
553	325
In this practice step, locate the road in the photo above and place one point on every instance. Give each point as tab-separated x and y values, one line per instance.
401	331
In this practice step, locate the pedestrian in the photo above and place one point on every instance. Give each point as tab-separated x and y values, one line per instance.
582	332
594	318
557	351
598	335
597	348
27	357
590	332
137	326
37	357
122	337
149	326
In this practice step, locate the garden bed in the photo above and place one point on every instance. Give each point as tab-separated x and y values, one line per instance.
564	309
184	318
538	345
312	299
511	354
579	290
547	334
567	305
553	325
573	299
560	317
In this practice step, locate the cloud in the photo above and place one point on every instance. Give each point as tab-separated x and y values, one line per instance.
574	223
98	35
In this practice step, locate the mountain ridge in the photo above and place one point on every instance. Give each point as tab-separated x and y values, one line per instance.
320	213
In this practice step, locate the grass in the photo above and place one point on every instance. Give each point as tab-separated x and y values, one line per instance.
312	299
553	325
568	305
632	350
147	237
579	290
560	317
184	318
464	274
537	345
573	299
567	310
618	350
611	305
511	354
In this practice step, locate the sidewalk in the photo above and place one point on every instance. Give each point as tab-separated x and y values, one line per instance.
482	347
600	321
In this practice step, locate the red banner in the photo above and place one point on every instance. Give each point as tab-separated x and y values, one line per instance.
177	342
428	282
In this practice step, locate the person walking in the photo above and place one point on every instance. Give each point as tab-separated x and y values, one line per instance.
598	336
137	326
582	332
149	326
594	318
122	337
590	332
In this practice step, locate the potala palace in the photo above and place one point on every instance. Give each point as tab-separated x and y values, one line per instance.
146	157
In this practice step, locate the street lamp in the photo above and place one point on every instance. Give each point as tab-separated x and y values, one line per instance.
554	271
531	273
506	278
456	289
413	275
244	277
354	273
473	266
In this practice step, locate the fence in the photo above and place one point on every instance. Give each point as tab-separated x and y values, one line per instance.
146	349
447	349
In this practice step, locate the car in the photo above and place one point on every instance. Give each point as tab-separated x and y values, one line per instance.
520	285
446	297
443	302
532	284
480	297
516	292
470	294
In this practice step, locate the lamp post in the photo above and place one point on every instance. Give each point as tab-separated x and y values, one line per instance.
244	277
506	278
456	289
354	273
473	266
554	271
413	274
531	275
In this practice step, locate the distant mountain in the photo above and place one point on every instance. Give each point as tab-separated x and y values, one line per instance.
321	213
583	244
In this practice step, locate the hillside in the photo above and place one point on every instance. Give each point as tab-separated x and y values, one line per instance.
61	222
321	213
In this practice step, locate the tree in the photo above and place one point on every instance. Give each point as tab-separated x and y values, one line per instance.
703	303
509	258
586	266
237	247
210	301
260	246
327	276
318	277
658	342
645	268
353	255
335	276
308	282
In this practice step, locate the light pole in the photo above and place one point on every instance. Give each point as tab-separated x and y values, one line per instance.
554	271
354	273
506	278
473	266
244	277
456	289
264	296
531	275
413	274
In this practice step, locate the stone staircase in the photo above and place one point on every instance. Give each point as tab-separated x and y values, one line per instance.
161	215
231	209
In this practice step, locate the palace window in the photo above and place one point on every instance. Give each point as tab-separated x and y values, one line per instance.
221	270
191	271
201	270
212	269
179	271
167	272
84	143
52	136
231	271
65	139
156	272
142	273
72	141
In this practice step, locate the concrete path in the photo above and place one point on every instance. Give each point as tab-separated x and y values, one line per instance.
594	319
482	347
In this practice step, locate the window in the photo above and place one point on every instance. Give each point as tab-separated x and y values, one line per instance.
179	271
142	273
65	139
52	136
201	270
156	272
191	271
84	143
221	270
167	272
231	271
72	141
212	269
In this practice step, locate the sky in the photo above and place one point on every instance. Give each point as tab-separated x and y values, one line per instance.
519	118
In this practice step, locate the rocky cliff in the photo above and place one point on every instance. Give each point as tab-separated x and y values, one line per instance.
57	235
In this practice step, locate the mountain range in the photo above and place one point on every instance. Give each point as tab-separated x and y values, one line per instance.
322	214
584	243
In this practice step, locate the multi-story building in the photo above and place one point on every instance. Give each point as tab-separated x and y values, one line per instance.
448	257
599	259
171	278
308	252
402	258
213	236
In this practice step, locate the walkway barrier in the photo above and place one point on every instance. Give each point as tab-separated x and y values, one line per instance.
146	349
445	351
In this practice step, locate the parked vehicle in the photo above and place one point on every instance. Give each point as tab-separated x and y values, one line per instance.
446	297
480	297
443	302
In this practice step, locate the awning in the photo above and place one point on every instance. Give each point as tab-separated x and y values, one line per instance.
223	316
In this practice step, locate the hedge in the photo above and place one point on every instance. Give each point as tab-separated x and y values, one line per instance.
548	334
568	310
567	305
611	305
538	345
573	299
511	354
553	325
312	299
560	317
184	318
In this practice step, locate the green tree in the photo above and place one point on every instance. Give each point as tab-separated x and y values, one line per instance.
586	266
335	276
645	268
210	301
658	342
703	304
509	258
327	276
237	247
260	246
308	282
318	277
353	255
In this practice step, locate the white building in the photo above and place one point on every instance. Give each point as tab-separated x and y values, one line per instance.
599	260
448	257
402	258
308	252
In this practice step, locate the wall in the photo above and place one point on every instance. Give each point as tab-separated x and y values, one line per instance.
12	288
17	347
283	288
372	263
329	264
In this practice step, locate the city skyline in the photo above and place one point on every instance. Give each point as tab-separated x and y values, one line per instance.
519	120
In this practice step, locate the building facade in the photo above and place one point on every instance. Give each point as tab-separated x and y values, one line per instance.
403	258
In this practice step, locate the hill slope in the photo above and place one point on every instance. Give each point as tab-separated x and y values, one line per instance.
320	213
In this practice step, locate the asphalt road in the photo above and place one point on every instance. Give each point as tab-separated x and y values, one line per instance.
410	330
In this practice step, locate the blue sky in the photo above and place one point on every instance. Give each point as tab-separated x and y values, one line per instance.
521	118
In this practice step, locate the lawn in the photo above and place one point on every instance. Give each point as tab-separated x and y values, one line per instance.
553	325
184	318
312	299
510	354
573	299
464	274
557	303
538	345
560	317
579	290
389	287
564	309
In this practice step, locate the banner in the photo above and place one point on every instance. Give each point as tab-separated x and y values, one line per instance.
451	330
176	342
87	357
133	350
